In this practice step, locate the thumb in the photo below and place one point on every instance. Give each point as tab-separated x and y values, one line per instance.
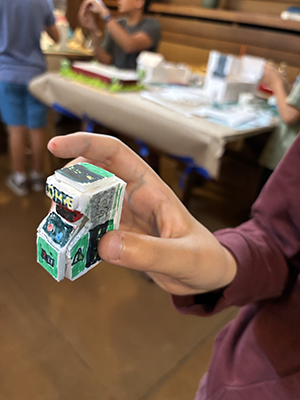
143	252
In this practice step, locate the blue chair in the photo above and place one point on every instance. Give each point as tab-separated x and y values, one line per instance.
90	124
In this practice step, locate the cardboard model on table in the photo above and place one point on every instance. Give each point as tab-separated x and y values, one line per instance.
228	76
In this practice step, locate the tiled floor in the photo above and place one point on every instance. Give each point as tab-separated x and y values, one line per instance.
111	335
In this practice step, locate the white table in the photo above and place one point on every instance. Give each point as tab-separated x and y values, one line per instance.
131	115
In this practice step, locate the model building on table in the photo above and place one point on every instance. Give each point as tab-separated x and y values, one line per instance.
87	203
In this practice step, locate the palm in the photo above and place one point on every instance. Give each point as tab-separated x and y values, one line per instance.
158	233
87	21
143	213
137	214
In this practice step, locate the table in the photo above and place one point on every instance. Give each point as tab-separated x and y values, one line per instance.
54	57
138	118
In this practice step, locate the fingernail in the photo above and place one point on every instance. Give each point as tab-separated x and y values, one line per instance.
115	247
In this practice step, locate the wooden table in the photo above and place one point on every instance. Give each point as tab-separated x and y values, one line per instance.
54	57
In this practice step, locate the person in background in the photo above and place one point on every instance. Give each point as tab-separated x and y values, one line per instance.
125	38
288	106
21	59
255	266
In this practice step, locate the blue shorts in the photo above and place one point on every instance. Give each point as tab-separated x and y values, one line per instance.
18	107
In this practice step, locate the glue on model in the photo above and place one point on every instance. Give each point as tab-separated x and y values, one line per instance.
87	203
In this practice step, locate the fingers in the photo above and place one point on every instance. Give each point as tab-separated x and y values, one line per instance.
87	6
83	8
101	149
146	253
189	264
94	5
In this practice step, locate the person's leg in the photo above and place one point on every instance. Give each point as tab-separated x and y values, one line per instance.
38	147
12	107
37	121
17	145
17	180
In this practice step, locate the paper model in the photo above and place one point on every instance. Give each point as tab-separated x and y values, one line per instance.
152	68
87	203
106	73
228	76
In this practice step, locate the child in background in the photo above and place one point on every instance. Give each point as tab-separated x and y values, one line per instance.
125	38
288	105
21	59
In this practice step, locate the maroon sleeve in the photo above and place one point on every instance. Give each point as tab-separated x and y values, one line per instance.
265	248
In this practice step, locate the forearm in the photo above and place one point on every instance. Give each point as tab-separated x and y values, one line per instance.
128	43
99	52
53	32
288	113
261	273
281	95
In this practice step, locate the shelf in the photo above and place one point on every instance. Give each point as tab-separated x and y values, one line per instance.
236	17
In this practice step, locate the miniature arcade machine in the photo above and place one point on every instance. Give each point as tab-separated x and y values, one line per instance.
87	203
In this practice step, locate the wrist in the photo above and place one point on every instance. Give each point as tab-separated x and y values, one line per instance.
277	86
96	32
107	17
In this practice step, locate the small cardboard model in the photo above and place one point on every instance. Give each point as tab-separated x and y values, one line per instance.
106	73
87	203
228	76
153	68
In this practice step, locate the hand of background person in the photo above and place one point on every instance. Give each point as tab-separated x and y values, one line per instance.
157	234
271	76
94	6
87	18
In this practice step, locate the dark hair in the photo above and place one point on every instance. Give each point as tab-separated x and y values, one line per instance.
146	5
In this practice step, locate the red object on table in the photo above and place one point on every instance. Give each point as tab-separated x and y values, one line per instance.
263	87
103	78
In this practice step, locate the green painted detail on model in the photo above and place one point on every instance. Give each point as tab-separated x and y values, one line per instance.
110	226
47	257
78	255
81	174
97	170
68	73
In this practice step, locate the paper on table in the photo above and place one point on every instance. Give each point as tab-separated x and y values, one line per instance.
232	117
181	100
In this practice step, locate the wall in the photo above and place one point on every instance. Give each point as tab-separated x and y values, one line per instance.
189	39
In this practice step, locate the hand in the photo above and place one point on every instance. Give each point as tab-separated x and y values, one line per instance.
271	76
87	18
157	234
94	6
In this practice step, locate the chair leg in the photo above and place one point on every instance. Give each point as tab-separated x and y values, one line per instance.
189	185
50	160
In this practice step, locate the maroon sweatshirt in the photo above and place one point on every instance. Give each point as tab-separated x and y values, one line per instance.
257	356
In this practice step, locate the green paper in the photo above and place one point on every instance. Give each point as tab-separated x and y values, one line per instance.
78	255
67	72
49	253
